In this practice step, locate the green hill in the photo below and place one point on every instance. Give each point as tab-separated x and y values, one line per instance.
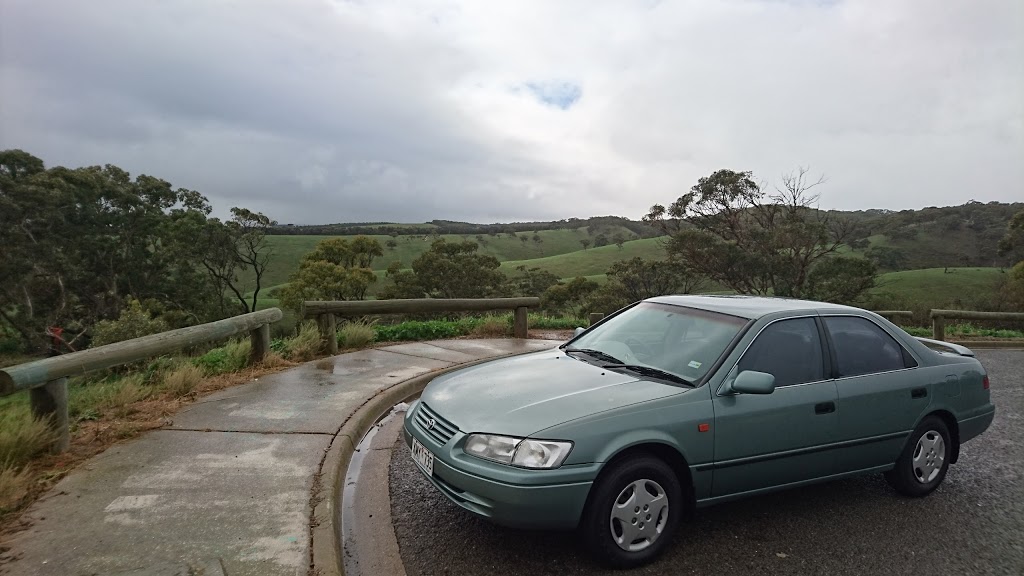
592	262
936	288
288	250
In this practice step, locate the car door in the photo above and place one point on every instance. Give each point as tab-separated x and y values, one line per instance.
766	440
880	394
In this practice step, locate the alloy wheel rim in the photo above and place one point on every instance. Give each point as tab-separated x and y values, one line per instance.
639	515
929	457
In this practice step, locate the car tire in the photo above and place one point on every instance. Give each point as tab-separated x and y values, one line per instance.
924	461
633	511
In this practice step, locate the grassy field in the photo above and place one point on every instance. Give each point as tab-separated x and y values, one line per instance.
937	287
288	250
592	262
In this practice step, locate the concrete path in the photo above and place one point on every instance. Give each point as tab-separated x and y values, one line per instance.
226	488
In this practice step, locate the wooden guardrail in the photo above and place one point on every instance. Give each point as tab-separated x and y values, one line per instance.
47	379
326	311
939	319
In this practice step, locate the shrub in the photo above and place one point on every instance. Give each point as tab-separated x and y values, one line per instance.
133	322
421	330
183	380
230	357
356	334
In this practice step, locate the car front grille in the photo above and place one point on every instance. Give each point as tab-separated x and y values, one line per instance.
433	425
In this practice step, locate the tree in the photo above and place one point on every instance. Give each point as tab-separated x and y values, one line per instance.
538	241
1012	243
841	279
586	243
249	231
569	297
337	269
887	258
77	244
600	240
391	244
524	239
730	230
618	239
447	270
532	281
638	279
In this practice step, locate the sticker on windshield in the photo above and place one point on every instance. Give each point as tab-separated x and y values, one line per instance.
694	364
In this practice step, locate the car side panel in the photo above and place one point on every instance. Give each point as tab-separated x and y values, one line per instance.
875	409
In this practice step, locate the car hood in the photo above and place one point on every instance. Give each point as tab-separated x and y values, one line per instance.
521	395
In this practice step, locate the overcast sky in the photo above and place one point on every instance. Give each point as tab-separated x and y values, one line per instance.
317	111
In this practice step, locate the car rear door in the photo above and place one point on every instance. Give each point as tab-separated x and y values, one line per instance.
881	393
775	439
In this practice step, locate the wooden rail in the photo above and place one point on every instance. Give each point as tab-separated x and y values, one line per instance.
939	318
326	311
47	379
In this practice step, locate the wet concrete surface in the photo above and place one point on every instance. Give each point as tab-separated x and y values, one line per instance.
972	525
229	483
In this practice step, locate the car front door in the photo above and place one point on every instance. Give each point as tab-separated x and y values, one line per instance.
766	440
880	394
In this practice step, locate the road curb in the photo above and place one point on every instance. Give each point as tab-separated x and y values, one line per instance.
325	526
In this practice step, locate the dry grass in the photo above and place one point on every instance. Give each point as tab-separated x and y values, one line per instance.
492	326
306	345
14	486
356	334
275	360
22	438
182	381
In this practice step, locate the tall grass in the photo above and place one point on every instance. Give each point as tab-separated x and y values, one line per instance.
22	437
356	334
182	380
14	484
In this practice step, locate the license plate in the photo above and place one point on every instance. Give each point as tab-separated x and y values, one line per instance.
423	457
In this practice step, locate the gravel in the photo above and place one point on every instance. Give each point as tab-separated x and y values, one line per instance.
973	524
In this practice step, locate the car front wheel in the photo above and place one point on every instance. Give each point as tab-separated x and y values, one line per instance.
633	512
924	461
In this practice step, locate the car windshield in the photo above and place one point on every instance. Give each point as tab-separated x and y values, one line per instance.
681	341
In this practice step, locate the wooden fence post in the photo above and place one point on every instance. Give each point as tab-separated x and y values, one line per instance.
50	401
329	332
260	338
595	317
939	328
520	323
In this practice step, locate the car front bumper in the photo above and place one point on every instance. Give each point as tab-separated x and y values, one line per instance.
543	506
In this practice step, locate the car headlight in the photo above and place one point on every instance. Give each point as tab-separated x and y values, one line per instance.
516	451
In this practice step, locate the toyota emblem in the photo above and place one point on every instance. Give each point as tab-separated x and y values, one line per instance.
430	423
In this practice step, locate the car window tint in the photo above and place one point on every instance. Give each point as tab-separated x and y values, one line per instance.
862	347
790	350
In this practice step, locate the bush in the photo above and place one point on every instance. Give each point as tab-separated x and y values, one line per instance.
493	326
230	357
356	334
422	330
134	322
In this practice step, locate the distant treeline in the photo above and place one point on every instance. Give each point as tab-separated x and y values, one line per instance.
597	223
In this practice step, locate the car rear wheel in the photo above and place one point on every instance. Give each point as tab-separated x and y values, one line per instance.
633	512
924	461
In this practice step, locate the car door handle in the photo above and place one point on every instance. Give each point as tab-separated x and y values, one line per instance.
824	407
918	392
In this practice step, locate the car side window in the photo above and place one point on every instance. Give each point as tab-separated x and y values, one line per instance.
790	350
862	347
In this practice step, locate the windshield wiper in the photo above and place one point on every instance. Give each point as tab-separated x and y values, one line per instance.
596	354
651	371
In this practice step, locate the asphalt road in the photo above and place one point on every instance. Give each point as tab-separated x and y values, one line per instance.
973	524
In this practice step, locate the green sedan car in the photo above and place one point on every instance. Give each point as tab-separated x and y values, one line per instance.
679	402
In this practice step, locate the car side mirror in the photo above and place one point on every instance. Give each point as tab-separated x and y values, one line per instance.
752	382
578	331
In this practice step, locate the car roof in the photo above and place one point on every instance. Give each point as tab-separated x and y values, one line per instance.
748	306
